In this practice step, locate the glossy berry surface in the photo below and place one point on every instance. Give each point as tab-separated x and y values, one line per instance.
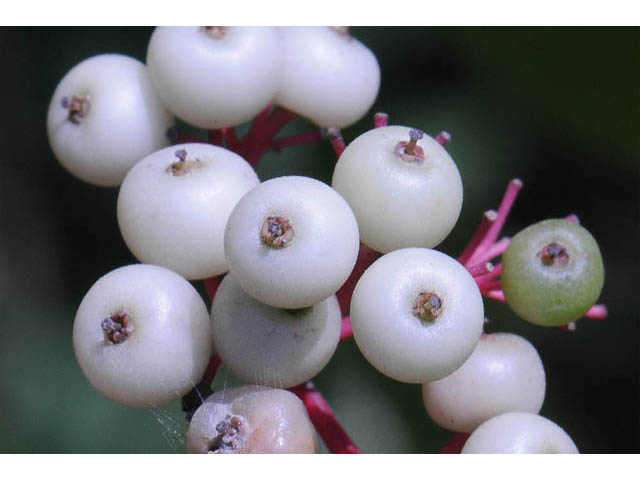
104	116
328	76
519	432
400	200
142	336
173	207
503	374
270	346
214	77
291	242
416	314
251	419
552	272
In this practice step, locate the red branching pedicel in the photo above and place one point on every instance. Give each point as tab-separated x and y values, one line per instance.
380	119
485	246
455	444
211	370
366	256
324	420
346	331
261	136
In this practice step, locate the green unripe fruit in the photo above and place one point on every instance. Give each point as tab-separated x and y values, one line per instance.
552	272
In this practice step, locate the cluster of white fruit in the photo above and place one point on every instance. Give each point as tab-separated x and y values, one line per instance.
111	110
142	334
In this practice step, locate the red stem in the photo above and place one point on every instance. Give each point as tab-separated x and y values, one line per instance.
568	328
231	138
495	295
212	368
380	119
487	220
481	269
324	420
212	284
455	444
503	211
346	331
263	130
250	143
598	311
497	270
366	257
493	251
443	138
215	137
337	142
490	286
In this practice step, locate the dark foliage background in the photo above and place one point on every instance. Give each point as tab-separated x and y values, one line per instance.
556	107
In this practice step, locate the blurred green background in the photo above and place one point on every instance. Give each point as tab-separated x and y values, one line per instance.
558	108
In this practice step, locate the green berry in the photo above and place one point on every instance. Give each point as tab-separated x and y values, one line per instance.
552	272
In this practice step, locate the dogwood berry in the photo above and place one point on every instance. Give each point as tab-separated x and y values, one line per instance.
519	432
403	187
328	76
291	242
142	336
251	419
552	272
215	77
104	117
416	315
503	374
173	207
270	346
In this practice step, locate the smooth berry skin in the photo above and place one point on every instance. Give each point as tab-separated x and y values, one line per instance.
214	80
395	341
328	76
166	353
316	262
178	220
270	346
124	120
519	432
399	204
273	421
503	374
552	295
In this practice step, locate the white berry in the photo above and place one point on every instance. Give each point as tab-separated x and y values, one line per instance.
291	242
214	77
503	374
142	336
251	419
519	432
270	346
401	198
173	207
416	314
329	77
104	117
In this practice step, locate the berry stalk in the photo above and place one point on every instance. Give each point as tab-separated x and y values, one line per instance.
334	135
485	246
346	331
455	444
324	420
380	119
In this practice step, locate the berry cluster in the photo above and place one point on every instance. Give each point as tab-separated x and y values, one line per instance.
293	265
